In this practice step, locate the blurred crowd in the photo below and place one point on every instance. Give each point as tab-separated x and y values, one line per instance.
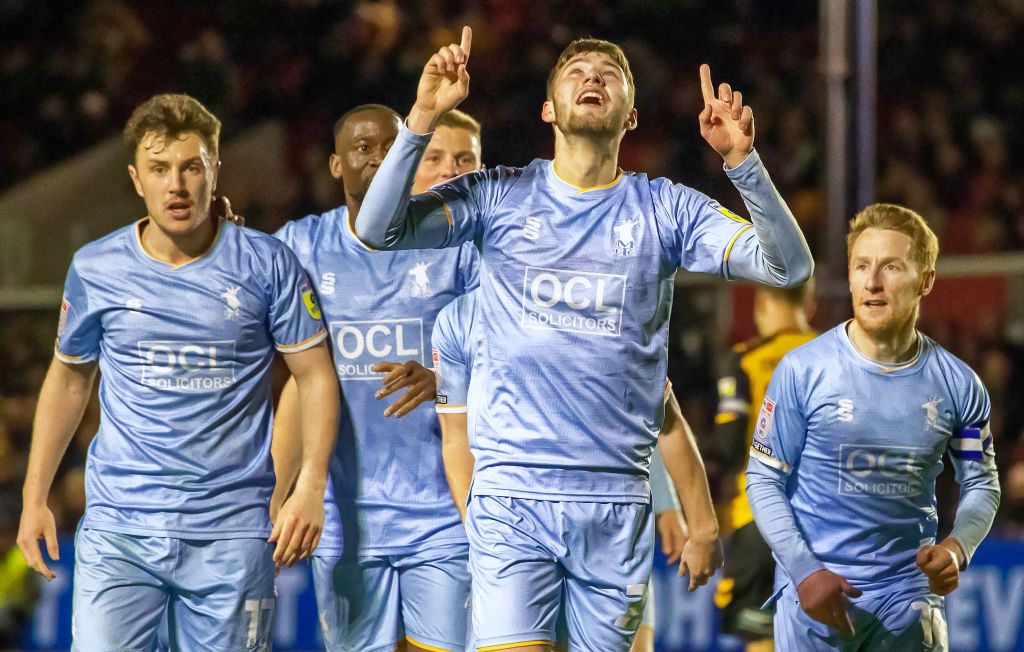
949	106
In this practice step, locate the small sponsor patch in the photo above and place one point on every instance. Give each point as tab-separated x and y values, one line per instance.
764	419
728	213
761	448
63	321
436	357
441	399
309	300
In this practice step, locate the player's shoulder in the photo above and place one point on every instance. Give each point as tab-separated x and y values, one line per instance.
105	252
960	373
306	228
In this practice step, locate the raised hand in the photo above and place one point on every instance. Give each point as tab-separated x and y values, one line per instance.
443	84
725	123
823	597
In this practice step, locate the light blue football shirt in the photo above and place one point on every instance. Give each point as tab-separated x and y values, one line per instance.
574	304
183	448
459	356
859	445
387	475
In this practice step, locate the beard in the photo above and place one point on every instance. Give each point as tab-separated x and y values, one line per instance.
577	123
894	321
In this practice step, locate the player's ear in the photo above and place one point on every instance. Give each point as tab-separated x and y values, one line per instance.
927	282
134	174
631	120
547	112
334	163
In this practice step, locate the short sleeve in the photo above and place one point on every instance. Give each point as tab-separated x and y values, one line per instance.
452	369
780	428
80	328
699	232
295	320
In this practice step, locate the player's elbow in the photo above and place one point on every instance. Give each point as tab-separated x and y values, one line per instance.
799	271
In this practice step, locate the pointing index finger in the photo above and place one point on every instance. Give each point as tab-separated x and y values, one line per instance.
467	39
706	88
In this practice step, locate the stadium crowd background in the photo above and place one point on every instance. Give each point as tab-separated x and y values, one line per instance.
950	139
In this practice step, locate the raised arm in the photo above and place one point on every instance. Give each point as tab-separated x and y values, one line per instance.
62	401
387	218
702	554
773	251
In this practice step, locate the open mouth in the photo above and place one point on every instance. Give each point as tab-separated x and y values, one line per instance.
179	209
595	98
876	303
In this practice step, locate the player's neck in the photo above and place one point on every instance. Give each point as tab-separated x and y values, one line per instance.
894	345
585	162
181	248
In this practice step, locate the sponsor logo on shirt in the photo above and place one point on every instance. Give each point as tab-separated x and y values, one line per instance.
625	237
233	310
309	300
359	345
761	448
882	471
420	280
435	356
531	228
570	300
187	366
327	281
845	410
764	419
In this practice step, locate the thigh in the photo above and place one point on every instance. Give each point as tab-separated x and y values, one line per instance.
746	583
609	552
517	582
223	596
119	596
911	621
359	602
435	596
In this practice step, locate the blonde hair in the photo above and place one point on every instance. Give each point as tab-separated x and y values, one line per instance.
172	115
456	119
925	248
584	45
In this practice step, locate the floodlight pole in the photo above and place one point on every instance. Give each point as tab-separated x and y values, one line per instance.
847	29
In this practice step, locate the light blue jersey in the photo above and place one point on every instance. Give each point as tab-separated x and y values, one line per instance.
858	445
183	448
575	297
457	347
381	307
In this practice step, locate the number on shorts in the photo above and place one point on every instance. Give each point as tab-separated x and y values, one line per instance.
256	636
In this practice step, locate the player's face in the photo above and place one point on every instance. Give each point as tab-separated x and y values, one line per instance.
175	176
360	147
591	98
885	281
450	152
